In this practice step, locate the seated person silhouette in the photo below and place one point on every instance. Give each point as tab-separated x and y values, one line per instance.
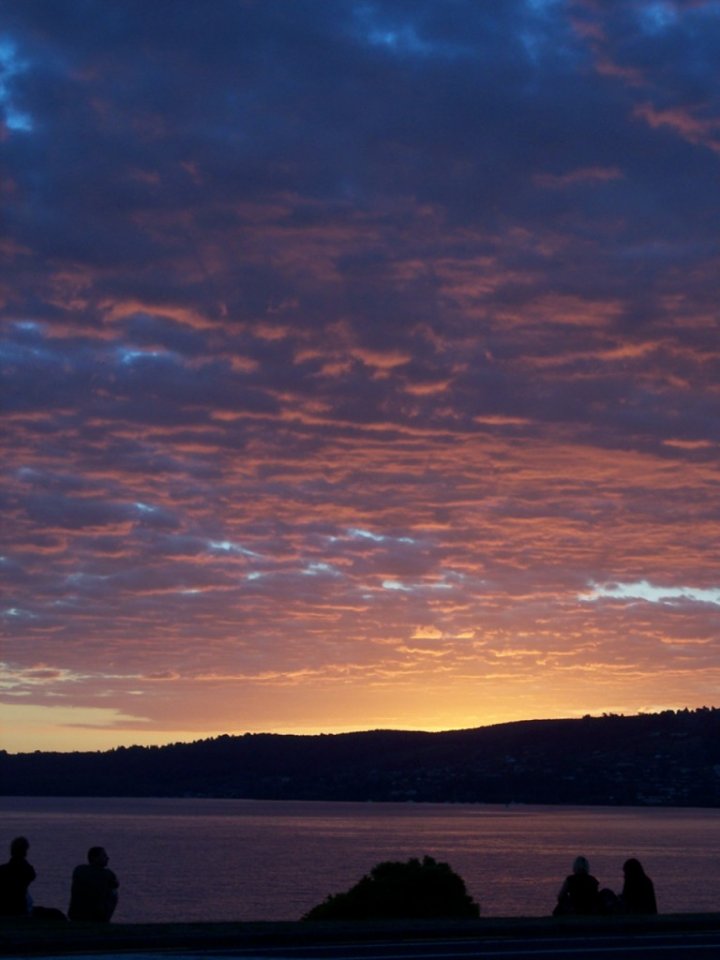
15	877
579	892
638	893
93	895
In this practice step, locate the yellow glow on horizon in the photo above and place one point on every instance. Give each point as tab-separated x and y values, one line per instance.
27	728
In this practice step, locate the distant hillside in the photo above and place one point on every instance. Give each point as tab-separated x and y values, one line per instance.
671	758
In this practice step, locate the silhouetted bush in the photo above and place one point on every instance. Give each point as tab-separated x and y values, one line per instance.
394	890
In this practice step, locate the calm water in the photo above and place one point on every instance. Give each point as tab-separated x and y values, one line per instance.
259	860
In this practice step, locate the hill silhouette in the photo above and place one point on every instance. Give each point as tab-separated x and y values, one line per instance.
668	758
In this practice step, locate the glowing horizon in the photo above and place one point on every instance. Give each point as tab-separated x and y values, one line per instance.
56	732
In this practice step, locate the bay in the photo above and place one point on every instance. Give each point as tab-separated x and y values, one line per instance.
203	859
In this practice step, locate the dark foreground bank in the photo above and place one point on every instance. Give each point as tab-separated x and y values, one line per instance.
32	937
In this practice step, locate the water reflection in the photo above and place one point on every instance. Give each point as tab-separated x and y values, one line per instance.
192	859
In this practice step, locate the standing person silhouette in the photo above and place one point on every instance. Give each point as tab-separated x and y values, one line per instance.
93	895
15	877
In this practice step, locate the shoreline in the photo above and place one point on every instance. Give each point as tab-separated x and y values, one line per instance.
56	938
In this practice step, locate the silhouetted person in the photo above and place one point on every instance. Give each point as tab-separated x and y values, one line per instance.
94	888
579	892
638	893
15	877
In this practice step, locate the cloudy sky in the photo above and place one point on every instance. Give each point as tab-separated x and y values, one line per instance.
360	364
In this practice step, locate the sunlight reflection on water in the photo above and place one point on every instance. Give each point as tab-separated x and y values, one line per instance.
187	859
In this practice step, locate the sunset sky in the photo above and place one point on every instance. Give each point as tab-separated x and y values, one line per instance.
360	364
